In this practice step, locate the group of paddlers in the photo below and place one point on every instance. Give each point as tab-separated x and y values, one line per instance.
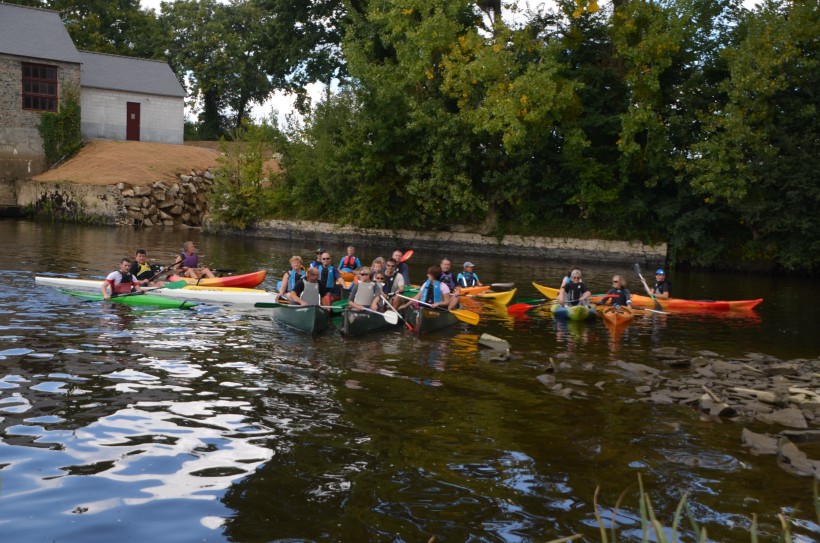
376	287
135	275
573	291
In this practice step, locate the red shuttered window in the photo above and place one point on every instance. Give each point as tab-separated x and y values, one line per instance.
39	87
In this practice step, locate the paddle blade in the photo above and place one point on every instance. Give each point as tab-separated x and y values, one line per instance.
391	317
519	308
406	256
465	316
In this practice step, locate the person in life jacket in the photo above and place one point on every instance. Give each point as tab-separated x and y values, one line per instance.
468	278
402	267
575	291
662	288
433	292
349	262
618	295
393	282
187	263
307	290
292	276
330	280
365	293
120	281
145	272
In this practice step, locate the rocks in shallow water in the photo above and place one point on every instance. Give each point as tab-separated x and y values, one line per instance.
791	417
790	458
759	443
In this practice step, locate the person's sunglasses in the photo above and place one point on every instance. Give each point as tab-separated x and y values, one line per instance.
325	259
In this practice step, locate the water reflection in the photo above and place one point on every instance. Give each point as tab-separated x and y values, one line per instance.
224	426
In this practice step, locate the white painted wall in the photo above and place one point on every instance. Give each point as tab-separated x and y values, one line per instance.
103	115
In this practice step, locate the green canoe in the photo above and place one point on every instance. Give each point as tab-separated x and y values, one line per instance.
310	319
426	320
359	323
137	299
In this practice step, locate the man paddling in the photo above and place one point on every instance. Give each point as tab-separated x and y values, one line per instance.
307	290
144	272
120	281
575	291
402	268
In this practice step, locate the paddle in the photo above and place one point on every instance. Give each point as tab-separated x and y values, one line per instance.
265	305
638	271
461	314
390	318
502	285
393	309
523	307
406	256
170	286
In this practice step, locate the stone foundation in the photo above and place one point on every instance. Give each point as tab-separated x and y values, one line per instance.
179	203
571	249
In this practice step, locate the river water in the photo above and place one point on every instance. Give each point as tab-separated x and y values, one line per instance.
213	424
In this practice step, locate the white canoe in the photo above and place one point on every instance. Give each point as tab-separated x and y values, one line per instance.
213	295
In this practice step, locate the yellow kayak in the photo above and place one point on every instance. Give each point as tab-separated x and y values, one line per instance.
548	292
502	298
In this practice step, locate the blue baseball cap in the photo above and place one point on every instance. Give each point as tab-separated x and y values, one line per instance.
660	271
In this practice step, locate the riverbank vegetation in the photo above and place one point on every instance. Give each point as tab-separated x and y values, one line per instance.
691	121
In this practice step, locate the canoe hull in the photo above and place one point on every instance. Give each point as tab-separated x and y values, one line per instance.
617	316
426	320
502	298
136	300
309	319
360	323
672	303
572	313
245	280
696	305
213	295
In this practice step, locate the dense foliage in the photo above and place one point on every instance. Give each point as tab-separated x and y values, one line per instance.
60	131
692	121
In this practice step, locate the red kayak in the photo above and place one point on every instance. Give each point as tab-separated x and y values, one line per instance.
678	303
246	280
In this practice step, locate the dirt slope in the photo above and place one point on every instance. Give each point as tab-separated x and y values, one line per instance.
104	162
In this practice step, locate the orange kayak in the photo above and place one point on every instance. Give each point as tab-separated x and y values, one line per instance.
616	316
706	305
245	280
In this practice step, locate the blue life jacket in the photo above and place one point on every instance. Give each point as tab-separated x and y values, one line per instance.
330	282
467	279
431	294
292	279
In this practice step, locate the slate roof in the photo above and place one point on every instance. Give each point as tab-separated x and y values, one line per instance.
35	33
130	74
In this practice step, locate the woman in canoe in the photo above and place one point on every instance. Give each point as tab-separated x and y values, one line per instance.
618	295
433	292
575	291
365	293
292	276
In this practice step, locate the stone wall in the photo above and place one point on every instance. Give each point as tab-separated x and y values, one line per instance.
309	233
179	203
104	115
21	148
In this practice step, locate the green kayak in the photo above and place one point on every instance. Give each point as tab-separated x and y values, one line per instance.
137	299
426	320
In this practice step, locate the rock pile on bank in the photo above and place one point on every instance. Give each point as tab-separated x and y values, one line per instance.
183	202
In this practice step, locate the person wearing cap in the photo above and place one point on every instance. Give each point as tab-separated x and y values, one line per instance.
315	263
662	288
468	278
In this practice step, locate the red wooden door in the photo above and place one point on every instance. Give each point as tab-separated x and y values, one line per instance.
132	124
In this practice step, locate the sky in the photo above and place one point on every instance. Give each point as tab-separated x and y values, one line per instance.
283	103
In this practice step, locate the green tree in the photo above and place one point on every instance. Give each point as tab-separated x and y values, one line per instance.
216	48
757	159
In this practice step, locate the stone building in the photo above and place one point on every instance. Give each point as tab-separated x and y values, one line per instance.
121	97
37	60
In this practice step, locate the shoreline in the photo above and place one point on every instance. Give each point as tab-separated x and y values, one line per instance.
580	250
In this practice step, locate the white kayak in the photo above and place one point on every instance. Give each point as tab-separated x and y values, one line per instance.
213	295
